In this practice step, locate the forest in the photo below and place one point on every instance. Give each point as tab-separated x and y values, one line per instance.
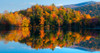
92	9
48	16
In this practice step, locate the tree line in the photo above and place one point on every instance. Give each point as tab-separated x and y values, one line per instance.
48	16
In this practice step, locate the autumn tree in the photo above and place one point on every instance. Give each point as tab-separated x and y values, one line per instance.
25	22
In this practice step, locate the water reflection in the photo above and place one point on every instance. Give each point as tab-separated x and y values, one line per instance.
16	34
40	38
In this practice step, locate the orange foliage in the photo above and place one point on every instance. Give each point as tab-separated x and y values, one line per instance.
70	21
65	9
60	9
58	33
54	15
90	41
53	39
0	16
16	35
88	16
29	43
90	11
42	34
50	46
42	20
58	21
70	33
79	12
88	37
60	45
50	7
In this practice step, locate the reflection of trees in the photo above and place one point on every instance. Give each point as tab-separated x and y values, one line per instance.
51	39
90	44
40	38
16	35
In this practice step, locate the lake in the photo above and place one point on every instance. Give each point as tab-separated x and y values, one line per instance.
41	40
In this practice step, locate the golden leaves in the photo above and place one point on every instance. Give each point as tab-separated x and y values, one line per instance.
88	16
25	22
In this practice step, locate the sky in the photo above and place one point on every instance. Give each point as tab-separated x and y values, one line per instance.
15	5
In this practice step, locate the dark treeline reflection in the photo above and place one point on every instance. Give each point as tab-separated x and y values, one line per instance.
43	38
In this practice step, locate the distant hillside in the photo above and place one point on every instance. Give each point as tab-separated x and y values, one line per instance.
93	9
80	4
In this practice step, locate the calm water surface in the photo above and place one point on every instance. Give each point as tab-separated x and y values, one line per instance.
33	40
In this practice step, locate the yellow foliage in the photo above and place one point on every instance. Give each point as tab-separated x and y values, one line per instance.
29	10
46	14
25	32
29	43
25	21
